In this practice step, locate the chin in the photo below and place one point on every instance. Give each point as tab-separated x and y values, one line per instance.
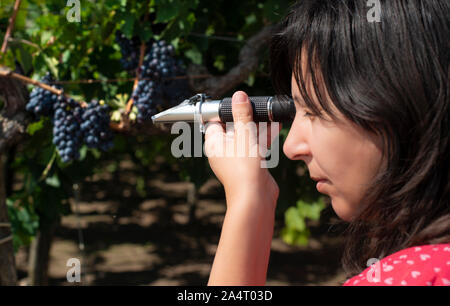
342	209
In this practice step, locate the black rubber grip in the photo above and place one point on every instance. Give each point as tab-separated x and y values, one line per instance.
282	110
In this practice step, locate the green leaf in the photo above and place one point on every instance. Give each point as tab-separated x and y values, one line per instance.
311	211
65	56
210	30
194	55
45	37
219	63
294	220
83	153
288	235
302	239
250	19
146	33
127	27
140	186
25	59
251	80
166	10
53	181
52	65
34	127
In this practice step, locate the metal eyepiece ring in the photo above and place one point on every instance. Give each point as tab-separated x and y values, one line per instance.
269	109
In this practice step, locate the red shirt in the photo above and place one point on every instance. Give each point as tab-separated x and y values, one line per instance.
427	265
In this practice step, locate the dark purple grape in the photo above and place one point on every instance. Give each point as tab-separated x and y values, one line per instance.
95	126
130	49
156	85
41	101
66	128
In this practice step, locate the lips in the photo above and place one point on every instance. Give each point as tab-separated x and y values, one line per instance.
321	184
318	179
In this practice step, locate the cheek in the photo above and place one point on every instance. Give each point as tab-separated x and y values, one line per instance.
331	151
350	161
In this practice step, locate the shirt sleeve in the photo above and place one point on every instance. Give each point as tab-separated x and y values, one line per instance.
417	266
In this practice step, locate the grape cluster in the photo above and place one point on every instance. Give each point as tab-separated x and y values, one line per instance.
72	125
95	126
67	132
130	51
154	88
42	101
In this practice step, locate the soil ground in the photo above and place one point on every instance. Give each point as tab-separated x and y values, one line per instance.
122	238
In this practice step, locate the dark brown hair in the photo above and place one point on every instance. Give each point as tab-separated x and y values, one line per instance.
391	78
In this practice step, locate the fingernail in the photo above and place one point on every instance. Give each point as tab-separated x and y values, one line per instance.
240	97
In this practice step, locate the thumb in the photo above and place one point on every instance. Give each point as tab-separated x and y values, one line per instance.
242	108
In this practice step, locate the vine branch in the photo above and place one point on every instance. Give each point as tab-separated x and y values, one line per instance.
24	79
10	28
248	62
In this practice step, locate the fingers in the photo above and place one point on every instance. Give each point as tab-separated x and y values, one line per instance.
245	131
213	128
242	108
241	137
214	139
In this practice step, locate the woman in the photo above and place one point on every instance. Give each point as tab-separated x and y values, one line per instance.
371	124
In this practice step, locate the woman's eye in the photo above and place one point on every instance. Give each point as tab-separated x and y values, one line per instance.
308	114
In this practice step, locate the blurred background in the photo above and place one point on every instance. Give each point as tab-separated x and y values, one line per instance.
129	211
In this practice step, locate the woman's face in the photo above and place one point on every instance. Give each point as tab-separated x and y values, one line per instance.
346	156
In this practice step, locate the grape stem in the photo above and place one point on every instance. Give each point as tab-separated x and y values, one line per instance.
27	80
136	80
138	70
48	167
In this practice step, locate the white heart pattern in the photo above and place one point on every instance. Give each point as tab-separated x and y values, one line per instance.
415	274
410	262
387	268
447	249
418	249
388	281
446	281
424	257
403	256
397	262
437	270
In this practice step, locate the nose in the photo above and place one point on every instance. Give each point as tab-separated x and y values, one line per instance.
296	146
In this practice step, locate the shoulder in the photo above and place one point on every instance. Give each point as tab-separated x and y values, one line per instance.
427	265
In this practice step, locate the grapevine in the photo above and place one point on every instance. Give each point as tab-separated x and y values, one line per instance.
75	124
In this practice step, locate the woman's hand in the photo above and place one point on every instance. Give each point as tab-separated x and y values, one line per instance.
235	155
242	256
